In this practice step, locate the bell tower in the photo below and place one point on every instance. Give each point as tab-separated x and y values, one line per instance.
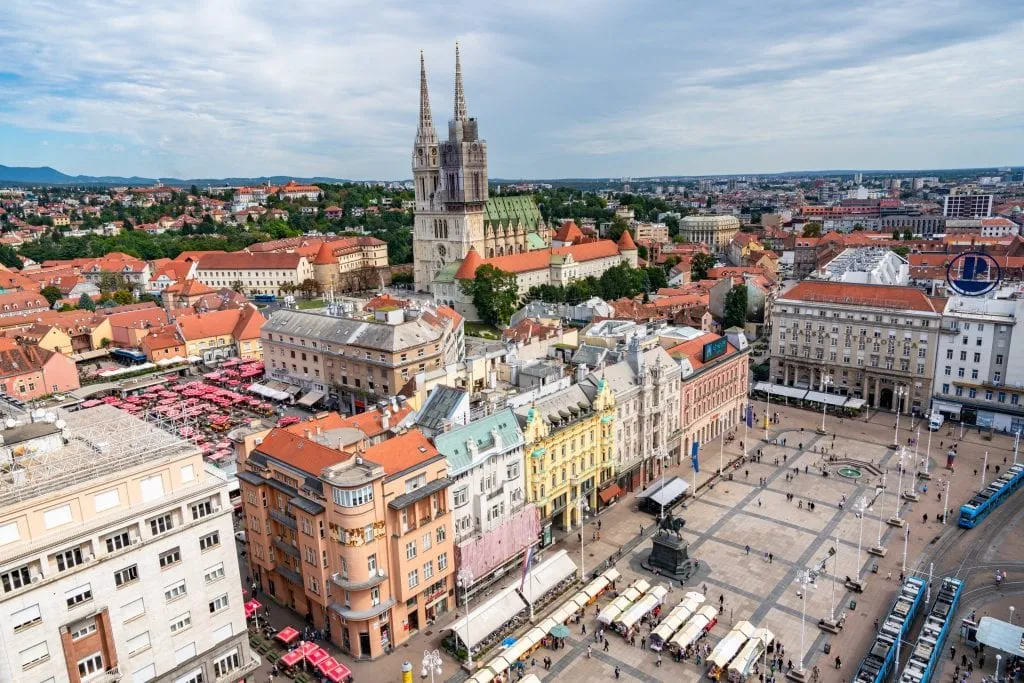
425	162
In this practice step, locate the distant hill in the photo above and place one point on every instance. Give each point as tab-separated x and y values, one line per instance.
44	175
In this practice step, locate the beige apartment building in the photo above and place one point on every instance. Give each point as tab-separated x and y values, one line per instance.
359	543
714	231
117	555
258	273
360	359
865	341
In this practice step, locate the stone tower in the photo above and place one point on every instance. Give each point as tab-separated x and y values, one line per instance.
451	186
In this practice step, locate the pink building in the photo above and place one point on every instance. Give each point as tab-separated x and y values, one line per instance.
30	372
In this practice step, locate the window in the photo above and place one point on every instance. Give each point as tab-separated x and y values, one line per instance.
974	373
426	541
999	359
442	562
184	653
214	573
161	524
307	526
945	388
410	550
181	622
33	655
194	676
175	591
949	370
949	354
368	533
441	534
973	393
963	355
93	664
152	488
135	608
226	664
217	604
414	578
78	596
959	391
170	558
209	540
314	585
371	564
428	570
126	575
977	358
138	643
24	618
146	673
68	559
200	510
1014	399
188	473
83	628
117	542
353	498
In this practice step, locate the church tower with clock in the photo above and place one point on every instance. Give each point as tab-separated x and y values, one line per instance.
450	179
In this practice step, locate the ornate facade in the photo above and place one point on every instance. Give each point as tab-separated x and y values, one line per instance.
453	211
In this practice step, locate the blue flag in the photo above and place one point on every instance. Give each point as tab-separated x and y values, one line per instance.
750	415
694	460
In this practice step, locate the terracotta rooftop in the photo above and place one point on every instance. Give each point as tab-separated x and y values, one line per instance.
402	452
299	452
246	261
878	296
626	242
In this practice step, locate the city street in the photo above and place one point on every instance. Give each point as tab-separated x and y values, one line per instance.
728	516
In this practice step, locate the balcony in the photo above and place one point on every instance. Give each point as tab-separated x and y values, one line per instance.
349	585
285	547
289	574
283	518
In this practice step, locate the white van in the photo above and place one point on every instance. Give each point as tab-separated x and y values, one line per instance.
935	421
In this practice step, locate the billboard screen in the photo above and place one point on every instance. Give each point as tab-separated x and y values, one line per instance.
714	349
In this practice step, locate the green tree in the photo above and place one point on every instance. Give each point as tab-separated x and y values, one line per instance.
194	191
857	227
896	234
812	229
9	257
238	286
124	297
51	293
85	302
495	294
656	278
902	251
735	307
700	265
908	234
618	226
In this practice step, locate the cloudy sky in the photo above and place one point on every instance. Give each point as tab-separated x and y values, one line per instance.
562	88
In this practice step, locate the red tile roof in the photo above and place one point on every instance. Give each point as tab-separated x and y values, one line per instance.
541	258
879	296
299	452
467	271
23	359
245	261
402	452
694	349
568	232
626	242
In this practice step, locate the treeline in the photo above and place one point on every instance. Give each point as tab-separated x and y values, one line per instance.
615	283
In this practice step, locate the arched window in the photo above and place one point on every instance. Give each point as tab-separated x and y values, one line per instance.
490	252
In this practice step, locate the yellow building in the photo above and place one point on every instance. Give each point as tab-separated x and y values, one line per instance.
221	334
570	447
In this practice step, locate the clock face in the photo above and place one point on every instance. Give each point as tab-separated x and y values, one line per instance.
433	153
441	251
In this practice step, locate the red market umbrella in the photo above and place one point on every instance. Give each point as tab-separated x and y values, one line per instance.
251	607
287	635
339	673
316	656
291	658
308	647
326	665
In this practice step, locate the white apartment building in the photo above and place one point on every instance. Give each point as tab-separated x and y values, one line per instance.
117	556
494	525
871	341
646	385
979	373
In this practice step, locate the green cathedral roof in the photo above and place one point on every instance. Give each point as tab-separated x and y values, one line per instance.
511	211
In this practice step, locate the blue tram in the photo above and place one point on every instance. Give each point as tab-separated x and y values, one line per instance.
974	511
928	648
880	660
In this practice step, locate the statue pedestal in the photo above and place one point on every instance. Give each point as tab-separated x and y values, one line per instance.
669	555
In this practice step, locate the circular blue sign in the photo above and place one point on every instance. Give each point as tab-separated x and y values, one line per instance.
973	273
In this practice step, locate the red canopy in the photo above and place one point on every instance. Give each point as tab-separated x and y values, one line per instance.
327	664
308	647
316	656
339	673
251	607
287	635
291	658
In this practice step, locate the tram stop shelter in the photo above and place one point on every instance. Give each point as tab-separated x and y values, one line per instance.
1001	635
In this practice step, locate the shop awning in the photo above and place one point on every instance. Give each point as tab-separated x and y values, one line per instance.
310	399
821	397
609	493
663	495
780	390
947	407
489	617
855	403
1001	635
548	574
267	392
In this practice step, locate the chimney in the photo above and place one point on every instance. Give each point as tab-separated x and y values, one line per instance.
385	420
581	372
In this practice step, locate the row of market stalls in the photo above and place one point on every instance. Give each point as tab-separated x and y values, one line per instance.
307	656
808	398
488	623
738	652
500	668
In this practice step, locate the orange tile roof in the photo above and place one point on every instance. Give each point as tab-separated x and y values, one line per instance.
880	296
386	301
541	258
299	452
568	232
402	452
241	323
196	255
626	242
246	261
146	317
368	422
694	349
467	271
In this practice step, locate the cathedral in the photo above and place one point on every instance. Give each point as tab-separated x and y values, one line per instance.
453	213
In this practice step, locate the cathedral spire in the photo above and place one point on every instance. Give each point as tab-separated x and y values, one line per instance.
460	96
425	133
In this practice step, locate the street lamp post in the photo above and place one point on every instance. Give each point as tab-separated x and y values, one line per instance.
1012	610
721	449
984	466
927	457
825	381
879	549
805	581
896	520
860	507
582	506
906	542
899	409
767	410
1016	442
464	578
999	660
945	499
431	664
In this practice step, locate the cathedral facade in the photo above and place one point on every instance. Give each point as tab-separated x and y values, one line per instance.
453	212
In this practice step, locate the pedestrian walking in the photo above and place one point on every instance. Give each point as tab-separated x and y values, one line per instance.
839	662
747	548
643	642
616	672
606	645
771	558
952	651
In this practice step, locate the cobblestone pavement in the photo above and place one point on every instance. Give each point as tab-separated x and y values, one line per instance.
727	516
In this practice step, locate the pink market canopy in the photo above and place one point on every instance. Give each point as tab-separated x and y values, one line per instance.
287	635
